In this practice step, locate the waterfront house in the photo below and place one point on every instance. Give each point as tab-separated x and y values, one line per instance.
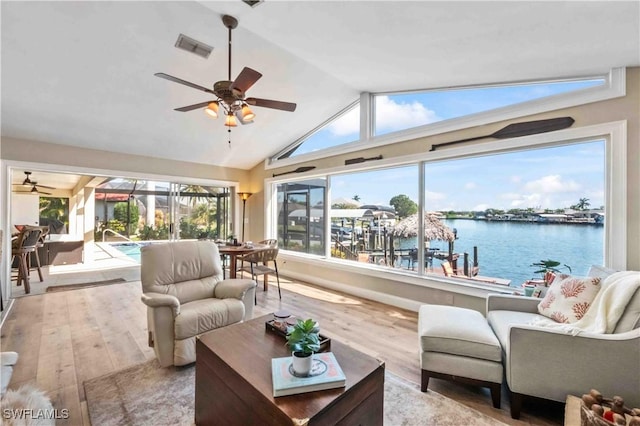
80	103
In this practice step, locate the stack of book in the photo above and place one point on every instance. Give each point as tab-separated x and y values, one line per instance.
325	374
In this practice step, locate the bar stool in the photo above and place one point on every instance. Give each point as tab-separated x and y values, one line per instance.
24	245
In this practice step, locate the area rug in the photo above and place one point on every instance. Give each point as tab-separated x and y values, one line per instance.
146	394
68	287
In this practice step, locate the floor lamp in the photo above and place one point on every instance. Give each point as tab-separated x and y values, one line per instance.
244	196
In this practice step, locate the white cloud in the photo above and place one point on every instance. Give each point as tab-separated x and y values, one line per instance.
347	124
391	115
551	184
525	201
480	207
470	185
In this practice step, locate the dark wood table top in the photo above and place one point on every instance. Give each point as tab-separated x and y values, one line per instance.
241	249
248	349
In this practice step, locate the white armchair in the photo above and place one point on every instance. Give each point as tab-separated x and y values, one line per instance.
549	363
186	295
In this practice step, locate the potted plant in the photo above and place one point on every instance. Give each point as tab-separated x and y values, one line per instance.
303	339
547	268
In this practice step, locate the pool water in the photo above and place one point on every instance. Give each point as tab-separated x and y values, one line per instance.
130	249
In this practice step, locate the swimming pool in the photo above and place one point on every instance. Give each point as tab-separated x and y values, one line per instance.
130	249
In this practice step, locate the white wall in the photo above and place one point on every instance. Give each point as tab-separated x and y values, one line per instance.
24	209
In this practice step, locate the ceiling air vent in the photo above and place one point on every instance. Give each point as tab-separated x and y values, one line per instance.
253	3
194	46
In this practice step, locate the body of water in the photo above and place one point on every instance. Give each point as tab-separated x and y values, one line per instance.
507	249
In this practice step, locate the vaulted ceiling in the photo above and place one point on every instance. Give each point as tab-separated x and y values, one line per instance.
81	73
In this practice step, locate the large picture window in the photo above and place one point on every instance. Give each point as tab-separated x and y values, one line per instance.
487	218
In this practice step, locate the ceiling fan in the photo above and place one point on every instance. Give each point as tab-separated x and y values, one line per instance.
34	186
230	95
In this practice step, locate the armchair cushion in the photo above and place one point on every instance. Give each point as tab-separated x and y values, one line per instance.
569	298
204	315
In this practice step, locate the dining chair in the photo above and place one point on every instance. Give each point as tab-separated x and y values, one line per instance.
24	245
39	245
269	242
258	264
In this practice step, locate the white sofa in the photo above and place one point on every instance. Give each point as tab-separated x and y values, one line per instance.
186	295
551	363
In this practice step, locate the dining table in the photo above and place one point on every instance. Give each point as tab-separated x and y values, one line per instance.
235	251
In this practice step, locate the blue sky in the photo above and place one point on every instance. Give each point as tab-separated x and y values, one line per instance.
542	178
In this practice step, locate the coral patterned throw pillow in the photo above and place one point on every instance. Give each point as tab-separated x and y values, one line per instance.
568	298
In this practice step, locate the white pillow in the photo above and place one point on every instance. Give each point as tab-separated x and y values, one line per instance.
569	298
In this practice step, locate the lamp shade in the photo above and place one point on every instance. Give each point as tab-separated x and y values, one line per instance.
244	196
247	114
230	121
212	109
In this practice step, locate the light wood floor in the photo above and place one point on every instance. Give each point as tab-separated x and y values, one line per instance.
65	338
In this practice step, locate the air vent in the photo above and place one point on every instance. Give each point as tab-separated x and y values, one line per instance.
194	46
253	3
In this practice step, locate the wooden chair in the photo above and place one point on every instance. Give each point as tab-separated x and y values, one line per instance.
39	244
259	265
24	245
447	269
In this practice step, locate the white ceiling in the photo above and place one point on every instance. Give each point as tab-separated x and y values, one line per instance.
81	73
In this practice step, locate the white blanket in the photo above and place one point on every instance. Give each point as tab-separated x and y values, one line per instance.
606	309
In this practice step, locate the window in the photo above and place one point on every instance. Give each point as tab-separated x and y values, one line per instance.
504	210
397	117
149	210
300	217
342	129
394	112
54	213
363	230
516	208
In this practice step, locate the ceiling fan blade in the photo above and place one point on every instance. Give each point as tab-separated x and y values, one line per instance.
268	103
43	193
42	186
194	106
245	79
181	81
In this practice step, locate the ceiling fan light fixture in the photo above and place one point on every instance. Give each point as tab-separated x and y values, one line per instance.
230	121
247	114
212	109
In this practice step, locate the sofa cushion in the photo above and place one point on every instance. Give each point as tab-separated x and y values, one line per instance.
457	331
205	315
501	322
569	298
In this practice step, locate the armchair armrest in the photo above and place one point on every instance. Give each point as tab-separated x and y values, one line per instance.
234	288
156	300
504	302
549	363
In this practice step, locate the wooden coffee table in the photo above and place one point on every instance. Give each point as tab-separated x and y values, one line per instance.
233	383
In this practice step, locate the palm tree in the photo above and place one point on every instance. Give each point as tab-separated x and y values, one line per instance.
583	203
356	197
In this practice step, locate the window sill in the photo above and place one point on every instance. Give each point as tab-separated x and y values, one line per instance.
453	285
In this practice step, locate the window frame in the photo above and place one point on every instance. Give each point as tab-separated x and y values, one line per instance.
614	86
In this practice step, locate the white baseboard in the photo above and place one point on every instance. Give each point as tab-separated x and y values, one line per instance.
388	299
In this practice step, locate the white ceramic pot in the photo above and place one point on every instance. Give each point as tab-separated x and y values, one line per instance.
302	363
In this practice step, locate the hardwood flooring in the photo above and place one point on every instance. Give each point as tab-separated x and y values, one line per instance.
65	338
